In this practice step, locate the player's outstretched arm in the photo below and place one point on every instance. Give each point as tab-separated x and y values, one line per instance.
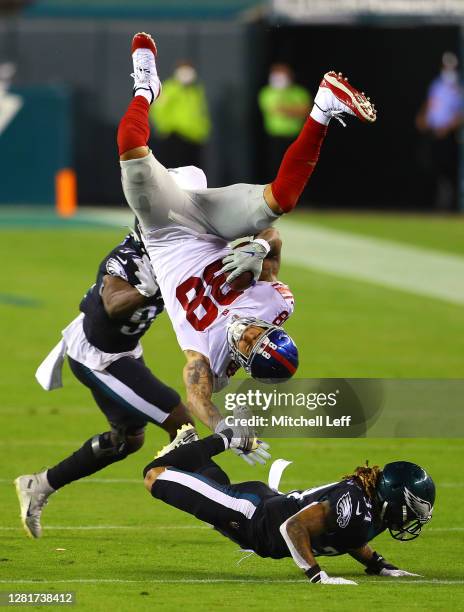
377	565
271	263
297	532
198	380
260	257
120	298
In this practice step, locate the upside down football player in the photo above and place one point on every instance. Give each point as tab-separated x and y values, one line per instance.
186	233
333	519
103	349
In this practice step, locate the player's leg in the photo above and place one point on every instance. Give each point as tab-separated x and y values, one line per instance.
124	393
149	188
334	98
175	479
243	209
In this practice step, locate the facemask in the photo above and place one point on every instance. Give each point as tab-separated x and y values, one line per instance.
185	74
279	80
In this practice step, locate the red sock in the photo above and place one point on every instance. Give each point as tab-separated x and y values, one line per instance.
298	164
134	129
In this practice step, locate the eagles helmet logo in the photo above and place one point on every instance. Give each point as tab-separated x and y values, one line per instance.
421	508
344	510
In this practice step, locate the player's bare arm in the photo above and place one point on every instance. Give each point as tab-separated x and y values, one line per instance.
297	532
120	298
376	564
198	380
271	263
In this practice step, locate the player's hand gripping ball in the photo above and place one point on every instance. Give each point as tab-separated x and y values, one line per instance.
245	263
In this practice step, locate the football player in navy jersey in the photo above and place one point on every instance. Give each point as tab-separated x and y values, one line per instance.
104	353
333	519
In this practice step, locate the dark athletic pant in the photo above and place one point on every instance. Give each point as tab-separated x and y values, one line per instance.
229	508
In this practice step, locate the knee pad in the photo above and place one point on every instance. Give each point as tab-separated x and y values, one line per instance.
104	445
134	440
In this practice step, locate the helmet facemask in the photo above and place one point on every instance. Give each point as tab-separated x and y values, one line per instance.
235	331
405	521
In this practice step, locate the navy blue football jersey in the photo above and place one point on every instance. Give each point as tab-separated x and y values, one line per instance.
118	335
351	518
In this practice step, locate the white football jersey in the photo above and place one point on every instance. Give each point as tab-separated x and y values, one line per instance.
200	303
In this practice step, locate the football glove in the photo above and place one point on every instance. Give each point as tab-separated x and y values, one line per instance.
239	437
380	567
318	576
395	573
247	258
148	285
259	455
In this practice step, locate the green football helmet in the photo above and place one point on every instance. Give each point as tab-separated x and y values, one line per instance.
405	496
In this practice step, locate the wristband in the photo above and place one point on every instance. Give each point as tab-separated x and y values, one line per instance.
263	243
314	573
377	563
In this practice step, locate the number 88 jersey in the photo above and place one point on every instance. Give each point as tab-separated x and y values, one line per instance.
118	335
200	303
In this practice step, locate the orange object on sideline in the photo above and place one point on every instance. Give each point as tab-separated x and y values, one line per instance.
66	192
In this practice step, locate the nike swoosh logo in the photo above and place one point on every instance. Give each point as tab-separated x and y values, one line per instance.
368	519
123	261
28	508
358	512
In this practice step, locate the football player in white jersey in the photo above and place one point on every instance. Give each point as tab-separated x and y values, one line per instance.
186	233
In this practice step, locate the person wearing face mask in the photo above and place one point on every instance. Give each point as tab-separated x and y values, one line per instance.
439	121
182	117
284	107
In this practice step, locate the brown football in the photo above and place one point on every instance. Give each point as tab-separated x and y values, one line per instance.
243	281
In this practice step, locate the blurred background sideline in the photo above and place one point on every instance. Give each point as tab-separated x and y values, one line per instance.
64	84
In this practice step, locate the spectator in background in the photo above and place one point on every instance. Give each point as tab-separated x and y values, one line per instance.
181	117
439	121
284	106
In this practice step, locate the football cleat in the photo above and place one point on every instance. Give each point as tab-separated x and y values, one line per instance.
33	492
336	96
185	435
145	75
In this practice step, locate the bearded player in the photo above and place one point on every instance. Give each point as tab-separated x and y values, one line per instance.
332	519
221	322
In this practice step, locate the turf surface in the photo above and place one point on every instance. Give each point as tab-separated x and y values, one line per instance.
123	550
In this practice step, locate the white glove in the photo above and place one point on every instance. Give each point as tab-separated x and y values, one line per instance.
240	437
259	455
146	275
325	579
395	573
247	258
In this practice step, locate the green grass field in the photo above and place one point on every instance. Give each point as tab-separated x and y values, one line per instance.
116	547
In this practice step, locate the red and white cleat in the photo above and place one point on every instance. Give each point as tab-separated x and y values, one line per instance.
142	40
145	75
336	96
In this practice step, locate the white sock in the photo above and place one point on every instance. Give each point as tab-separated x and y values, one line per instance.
318	115
145	93
47	488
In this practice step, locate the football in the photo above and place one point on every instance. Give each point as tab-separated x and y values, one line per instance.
242	282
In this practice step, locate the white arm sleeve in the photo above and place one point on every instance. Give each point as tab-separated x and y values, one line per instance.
293	551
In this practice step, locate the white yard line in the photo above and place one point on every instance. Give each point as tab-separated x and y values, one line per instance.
103	527
397	265
387	583
391	264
